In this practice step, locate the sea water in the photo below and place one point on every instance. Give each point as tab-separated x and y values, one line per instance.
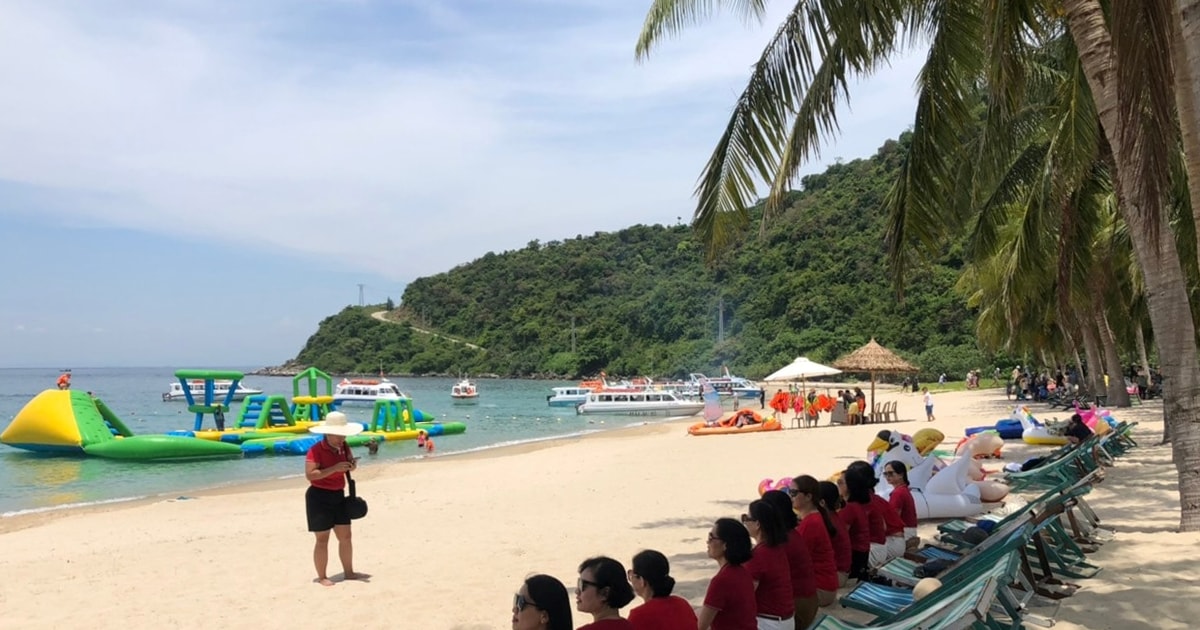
507	412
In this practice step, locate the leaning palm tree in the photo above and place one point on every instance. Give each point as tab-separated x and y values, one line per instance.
788	108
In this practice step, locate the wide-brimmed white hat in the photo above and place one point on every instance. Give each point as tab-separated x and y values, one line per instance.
337	424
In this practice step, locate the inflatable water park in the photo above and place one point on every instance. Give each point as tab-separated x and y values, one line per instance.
67	422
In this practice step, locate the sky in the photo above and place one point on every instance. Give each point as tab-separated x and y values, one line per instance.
197	183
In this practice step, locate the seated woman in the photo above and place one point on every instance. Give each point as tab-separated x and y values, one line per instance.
603	589
541	604
768	567
814	529
854	515
901	499
729	600
832	503
800	565
651	580
887	530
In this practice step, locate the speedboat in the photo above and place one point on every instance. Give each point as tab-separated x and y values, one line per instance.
638	403
568	396
366	391
220	389
464	390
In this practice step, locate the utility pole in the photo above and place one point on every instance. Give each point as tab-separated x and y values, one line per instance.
360	295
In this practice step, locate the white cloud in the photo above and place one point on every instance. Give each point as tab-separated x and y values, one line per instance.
403	155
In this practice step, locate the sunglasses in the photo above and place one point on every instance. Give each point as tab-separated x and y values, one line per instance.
520	603
746	518
793	492
713	537
582	585
631	575
889	473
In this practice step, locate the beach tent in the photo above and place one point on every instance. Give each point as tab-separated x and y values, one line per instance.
874	359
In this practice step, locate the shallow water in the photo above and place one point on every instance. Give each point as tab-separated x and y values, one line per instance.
507	412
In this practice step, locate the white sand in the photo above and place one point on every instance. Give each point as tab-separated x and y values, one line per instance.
449	539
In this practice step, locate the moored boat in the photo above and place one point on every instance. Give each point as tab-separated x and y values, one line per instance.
366	391
220	389
640	403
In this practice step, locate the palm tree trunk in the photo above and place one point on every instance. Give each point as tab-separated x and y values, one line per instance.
1118	396
1095	365
1140	339
1154	246
1185	53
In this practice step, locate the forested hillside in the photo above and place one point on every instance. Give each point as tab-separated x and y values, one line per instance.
643	301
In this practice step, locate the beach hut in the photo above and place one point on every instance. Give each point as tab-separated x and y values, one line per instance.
874	359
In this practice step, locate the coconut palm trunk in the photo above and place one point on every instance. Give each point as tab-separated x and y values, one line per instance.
1185	52
1154	246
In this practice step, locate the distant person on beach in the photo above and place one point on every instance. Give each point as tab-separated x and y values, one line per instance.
729	599
373	446
325	467
64	380
649	574
602	591
219	416
928	404
542	603
762	398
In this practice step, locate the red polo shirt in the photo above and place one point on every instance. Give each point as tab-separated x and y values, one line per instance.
769	567
892	525
325	457
820	550
902	499
854	515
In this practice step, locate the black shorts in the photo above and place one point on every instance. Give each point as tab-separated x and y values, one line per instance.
325	508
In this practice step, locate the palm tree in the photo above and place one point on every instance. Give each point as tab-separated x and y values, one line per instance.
788	107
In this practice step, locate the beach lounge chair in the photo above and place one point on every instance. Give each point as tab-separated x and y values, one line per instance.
954	607
999	560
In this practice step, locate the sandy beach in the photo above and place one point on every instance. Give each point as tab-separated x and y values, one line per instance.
449	539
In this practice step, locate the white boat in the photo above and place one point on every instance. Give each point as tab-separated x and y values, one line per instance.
638	403
220	389
366	391
568	396
727	385
464	390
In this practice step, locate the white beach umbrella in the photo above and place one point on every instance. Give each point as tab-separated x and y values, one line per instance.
801	369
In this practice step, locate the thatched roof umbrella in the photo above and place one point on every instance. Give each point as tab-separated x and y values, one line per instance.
874	359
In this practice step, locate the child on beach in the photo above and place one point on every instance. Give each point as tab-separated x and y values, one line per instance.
928	404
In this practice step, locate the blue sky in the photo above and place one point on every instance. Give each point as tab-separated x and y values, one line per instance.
198	183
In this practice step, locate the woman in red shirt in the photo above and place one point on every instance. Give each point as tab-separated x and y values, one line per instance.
651	580
901	498
729	600
854	515
887	530
768	567
541	604
804	580
815	528
602	591
325	467
832	501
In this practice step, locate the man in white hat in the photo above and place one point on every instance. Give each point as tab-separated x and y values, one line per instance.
325	467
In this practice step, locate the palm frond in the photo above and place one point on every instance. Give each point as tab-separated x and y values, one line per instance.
670	17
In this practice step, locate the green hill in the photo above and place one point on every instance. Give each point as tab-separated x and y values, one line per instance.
642	301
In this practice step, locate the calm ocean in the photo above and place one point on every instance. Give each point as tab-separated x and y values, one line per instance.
508	412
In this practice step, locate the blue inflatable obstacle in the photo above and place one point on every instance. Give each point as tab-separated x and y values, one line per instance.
1008	428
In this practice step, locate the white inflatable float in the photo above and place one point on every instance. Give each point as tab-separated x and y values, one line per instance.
1035	432
939	490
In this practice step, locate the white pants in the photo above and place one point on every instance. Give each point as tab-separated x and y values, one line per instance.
895	546
775	624
910	532
878	556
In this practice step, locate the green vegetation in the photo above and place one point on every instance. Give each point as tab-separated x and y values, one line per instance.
643	301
